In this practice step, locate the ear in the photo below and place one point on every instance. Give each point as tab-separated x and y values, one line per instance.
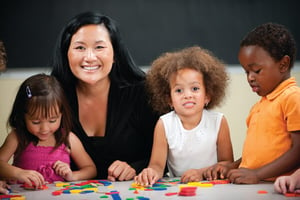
171	104
285	63
207	99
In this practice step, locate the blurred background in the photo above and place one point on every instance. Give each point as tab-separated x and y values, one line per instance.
149	28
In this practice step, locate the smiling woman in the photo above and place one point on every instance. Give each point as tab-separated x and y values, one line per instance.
91	52
105	89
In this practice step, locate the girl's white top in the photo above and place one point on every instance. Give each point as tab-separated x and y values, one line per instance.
191	149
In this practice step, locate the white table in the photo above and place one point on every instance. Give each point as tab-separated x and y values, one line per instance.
216	192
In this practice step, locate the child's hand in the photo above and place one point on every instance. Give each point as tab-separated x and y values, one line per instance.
30	177
4	187
284	184
192	175
147	177
243	175
63	170
217	171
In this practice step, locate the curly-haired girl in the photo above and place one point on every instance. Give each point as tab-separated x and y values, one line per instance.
184	86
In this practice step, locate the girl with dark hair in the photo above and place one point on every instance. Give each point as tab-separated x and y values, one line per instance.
40	139
105	89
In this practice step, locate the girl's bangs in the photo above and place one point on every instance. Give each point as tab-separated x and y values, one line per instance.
41	107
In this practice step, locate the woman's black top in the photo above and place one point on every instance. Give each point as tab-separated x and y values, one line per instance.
129	129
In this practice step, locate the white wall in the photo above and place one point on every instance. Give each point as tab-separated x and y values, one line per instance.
236	106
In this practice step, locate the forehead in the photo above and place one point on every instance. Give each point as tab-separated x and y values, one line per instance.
91	32
254	55
43	110
187	75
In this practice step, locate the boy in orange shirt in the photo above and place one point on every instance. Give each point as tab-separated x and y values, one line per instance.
272	144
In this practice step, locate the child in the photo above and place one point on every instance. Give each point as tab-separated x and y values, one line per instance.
272	145
191	137
290	183
4	187
40	139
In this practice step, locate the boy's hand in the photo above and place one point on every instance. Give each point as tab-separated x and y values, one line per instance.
243	175
217	171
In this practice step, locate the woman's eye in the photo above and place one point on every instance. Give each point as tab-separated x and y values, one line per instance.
80	48
99	47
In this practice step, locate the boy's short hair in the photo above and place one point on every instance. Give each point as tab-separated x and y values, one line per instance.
274	38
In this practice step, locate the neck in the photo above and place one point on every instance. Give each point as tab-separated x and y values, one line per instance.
190	122
100	88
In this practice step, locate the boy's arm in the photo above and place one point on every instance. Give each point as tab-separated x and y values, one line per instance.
285	163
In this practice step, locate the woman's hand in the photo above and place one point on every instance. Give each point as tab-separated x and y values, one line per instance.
120	171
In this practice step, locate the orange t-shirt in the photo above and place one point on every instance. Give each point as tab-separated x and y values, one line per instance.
269	123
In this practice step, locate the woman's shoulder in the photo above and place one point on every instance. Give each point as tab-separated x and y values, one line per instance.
136	89
135	85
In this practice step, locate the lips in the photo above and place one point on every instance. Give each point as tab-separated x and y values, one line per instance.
188	104
254	88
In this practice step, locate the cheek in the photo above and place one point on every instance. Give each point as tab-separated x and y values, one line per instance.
74	58
175	100
32	129
55	127
107	57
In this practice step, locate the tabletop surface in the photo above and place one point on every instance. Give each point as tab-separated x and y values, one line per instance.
163	190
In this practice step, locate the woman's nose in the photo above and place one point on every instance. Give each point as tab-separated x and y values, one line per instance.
90	54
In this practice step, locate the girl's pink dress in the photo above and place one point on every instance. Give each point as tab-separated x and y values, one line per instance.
41	159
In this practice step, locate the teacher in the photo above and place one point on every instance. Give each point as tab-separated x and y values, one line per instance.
106	91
